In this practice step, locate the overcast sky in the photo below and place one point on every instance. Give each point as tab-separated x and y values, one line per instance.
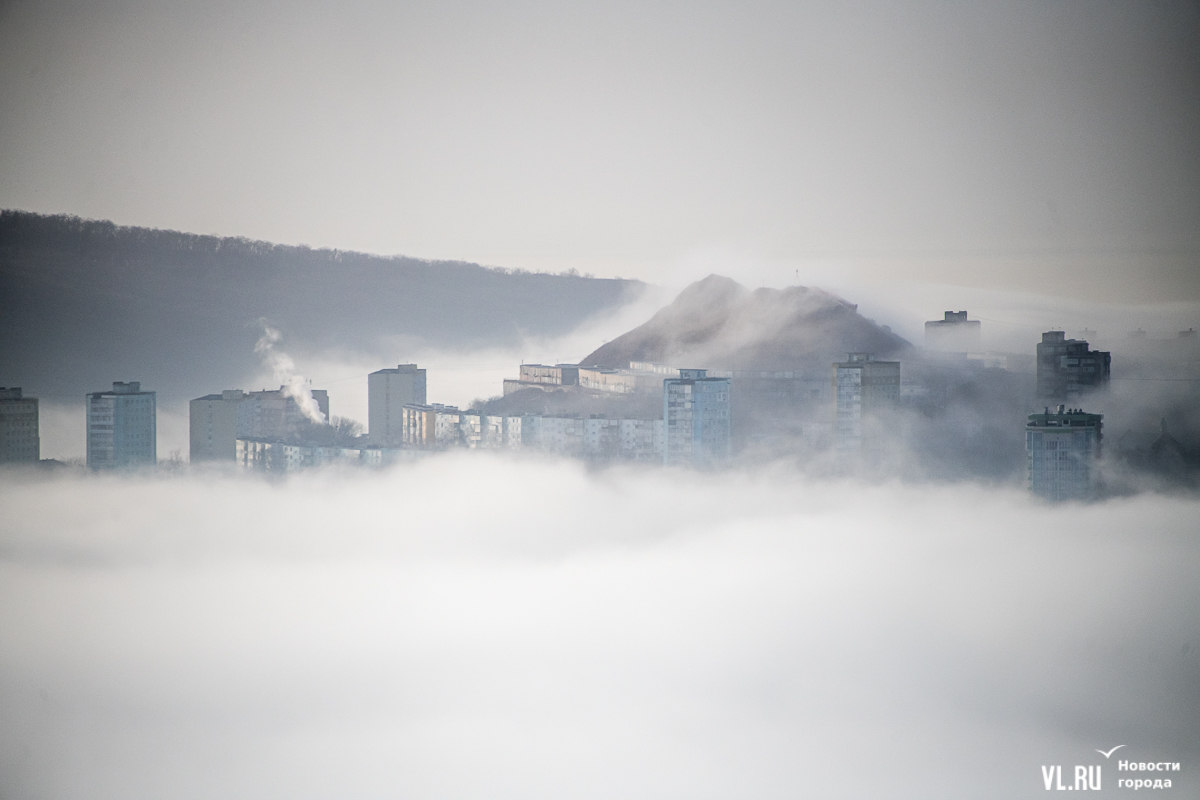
966	143
418	632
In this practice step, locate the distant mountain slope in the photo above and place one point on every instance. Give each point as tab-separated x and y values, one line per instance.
83	303
717	323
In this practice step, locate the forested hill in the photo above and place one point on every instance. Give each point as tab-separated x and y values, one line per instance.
84	303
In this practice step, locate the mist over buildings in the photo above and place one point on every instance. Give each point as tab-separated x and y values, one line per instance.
773	193
520	625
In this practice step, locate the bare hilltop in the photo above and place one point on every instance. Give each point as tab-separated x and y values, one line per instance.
717	323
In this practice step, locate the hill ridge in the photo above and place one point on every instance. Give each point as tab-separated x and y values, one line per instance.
86	302
720	324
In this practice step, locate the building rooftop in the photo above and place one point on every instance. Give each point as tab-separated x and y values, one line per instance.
1064	417
855	359
226	394
121	387
952	317
401	369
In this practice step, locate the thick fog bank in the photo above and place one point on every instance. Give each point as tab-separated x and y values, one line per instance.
488	627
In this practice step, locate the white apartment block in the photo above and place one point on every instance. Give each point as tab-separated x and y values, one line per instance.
122	427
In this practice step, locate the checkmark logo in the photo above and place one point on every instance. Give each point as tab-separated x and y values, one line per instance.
1110	752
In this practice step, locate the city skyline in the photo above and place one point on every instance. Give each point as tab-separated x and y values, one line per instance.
553	400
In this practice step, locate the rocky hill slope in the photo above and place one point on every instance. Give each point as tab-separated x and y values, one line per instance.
717	323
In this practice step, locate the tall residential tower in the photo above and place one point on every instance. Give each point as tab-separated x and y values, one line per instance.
1063	448
862	387
388	391
213	427
121	427
696	419
954	333
19	440
1066	367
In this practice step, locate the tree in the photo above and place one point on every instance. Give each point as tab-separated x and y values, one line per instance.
345	430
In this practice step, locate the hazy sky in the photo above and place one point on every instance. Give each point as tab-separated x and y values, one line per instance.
422	633
979	144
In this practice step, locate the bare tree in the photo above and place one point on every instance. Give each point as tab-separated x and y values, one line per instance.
345	430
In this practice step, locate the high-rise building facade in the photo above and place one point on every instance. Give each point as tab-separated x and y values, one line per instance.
122	427
696	418
19	438
862	388
954	333
217	421
388	392
1063	448
275	415
1066	367
213	425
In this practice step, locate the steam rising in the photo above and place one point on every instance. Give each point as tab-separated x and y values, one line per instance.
566	633
284	371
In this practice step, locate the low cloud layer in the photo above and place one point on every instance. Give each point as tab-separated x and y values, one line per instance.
478	626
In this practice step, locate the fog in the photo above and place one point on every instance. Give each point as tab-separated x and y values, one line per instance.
479	626
911	624
1012	323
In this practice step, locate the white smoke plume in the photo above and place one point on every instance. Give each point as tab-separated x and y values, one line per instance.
284	369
